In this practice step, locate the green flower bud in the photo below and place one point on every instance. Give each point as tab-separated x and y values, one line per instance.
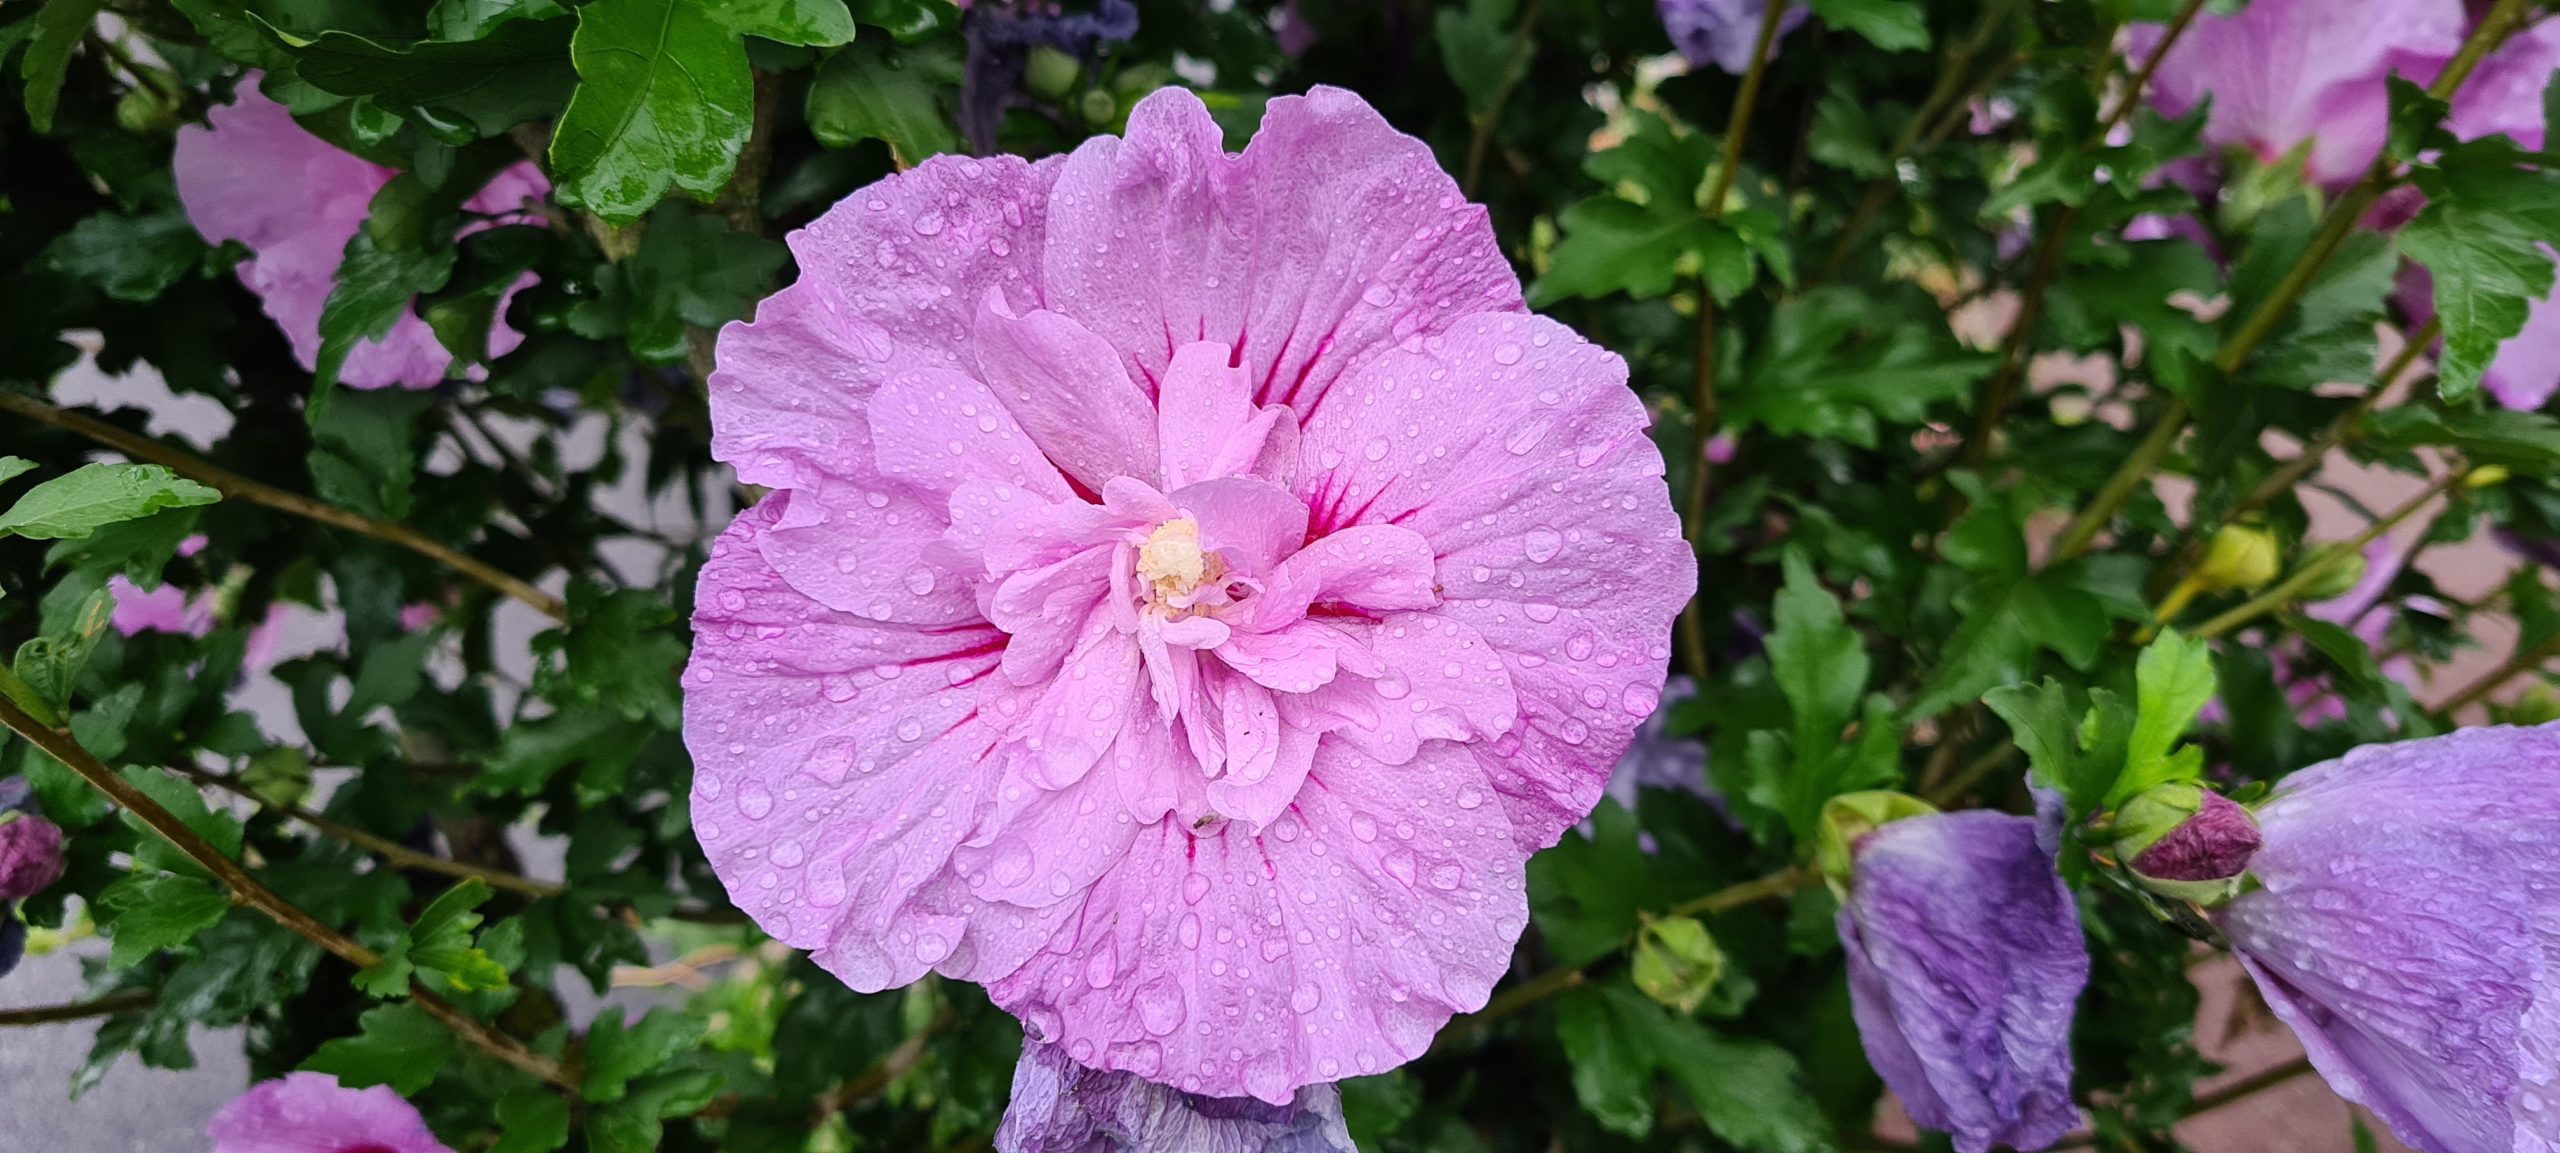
2186	842
1099	107
1849	816
2343	572
1049	73
1677	962
2241	557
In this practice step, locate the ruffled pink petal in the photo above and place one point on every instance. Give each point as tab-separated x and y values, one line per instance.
1378	568
892	277
2526	370
1252	523
1298	659
1330	236
1067	386
1202	402
1516	450
837	761
312	1113
1335	944
166	609
2503	97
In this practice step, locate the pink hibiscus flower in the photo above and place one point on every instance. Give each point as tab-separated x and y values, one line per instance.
312	1113
1192	588
295	200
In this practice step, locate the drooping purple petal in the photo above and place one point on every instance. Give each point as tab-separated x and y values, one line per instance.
2407	925
1965	961
1060	1106
1722	32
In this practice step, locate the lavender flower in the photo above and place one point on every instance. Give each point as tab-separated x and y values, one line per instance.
2406	923
1965	960
1060	1106
312	1113
1720	32
30	861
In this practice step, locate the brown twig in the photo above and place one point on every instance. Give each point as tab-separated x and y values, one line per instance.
2249	1086
235	486
383	847
248	890
124	1001
1514	67
2341	220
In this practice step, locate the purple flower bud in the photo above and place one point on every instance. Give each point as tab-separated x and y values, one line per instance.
1721	32
1965	960
30	855
1060	1106
2186	841
2406	923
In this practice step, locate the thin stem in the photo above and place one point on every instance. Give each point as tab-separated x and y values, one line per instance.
124	1001
1737	126
234	485
383	847
2290	588
247	890
1784	882
1955	787
2342	219
2524	661
1513	68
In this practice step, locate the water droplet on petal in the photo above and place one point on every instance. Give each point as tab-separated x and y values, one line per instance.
1542	544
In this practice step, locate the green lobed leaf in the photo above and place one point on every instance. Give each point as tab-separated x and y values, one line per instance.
532	1121
508	71
873	92
664	98
56	29
2481	239
1751	1094
133	258
1477	46
93	496
148	912
397	1045
2173	679
617	1054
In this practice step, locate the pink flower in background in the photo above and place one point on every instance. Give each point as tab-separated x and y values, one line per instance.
295	200
312	1113
1192	588
2281	72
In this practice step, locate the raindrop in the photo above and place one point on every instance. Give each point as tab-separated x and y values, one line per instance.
1506	354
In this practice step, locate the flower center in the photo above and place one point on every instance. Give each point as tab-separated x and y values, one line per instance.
1172	564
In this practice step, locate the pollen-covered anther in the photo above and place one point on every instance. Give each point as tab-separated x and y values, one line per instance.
1172	565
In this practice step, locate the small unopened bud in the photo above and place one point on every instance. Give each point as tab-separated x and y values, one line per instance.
2241	557
30	855
1677	962
1850	816
2340	568
1049	73
1099	107
2186	842
2486	476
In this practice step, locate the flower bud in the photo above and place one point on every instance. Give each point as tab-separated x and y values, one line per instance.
2486	476
1677	962
2341	570
1049	72
30	855
2186	842
1850	816
2241	557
